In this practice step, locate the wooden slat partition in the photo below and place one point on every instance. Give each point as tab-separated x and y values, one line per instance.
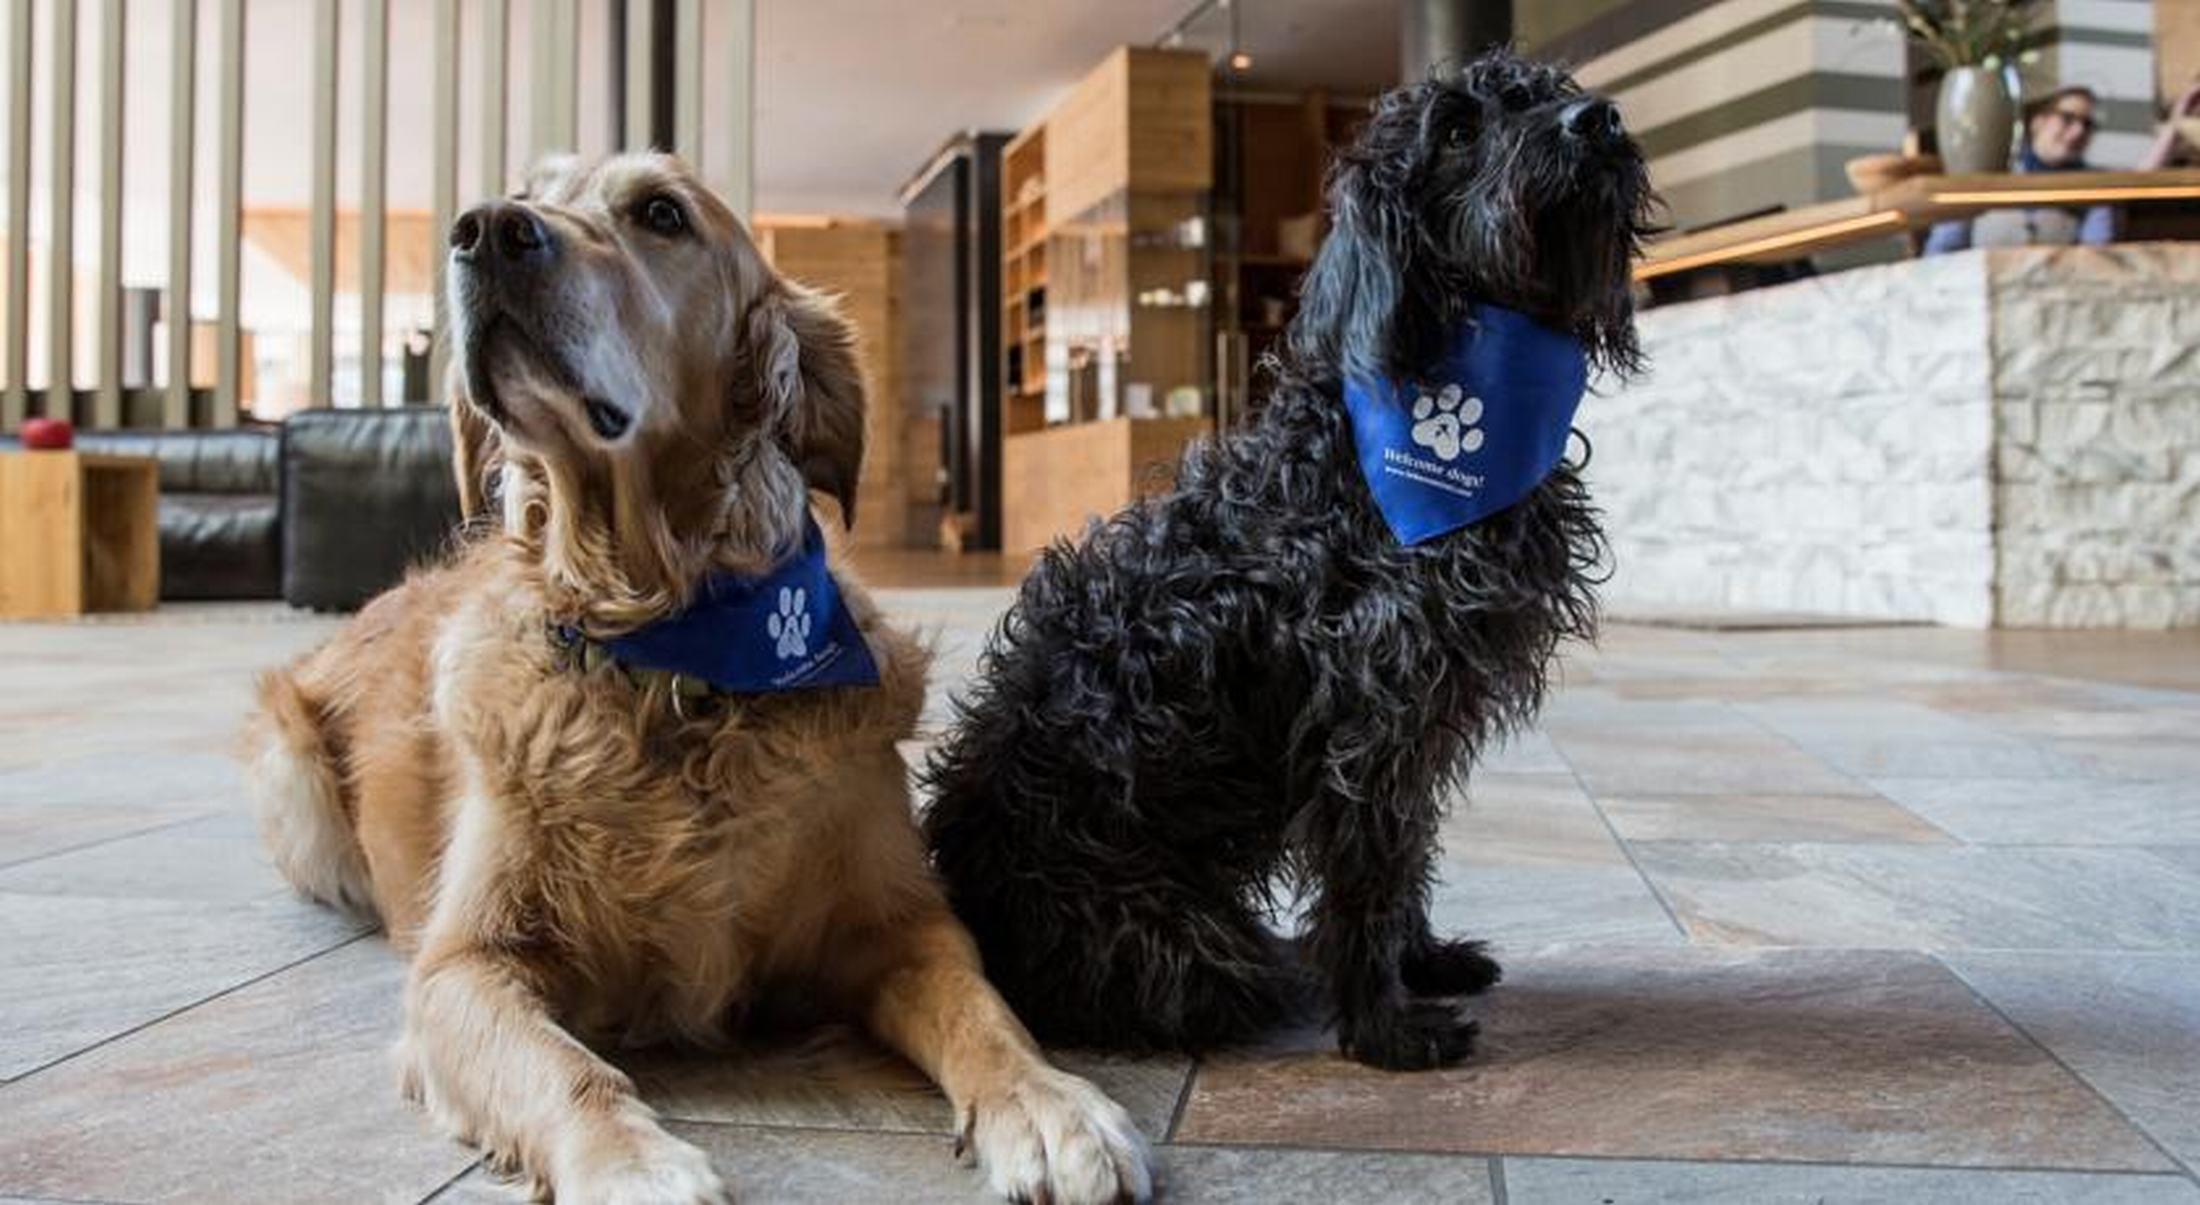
61	246
322	359
107	400
228	254
373	199
176	312
443	187
217	352
687	92
496	48
15	404
740	132
641	81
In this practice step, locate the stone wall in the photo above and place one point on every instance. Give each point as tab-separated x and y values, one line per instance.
2096	361
1820	447
2003	437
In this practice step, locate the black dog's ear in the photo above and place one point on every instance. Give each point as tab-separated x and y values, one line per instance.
805	357
1351	295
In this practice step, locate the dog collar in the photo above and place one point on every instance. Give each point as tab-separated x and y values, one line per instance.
1486	426
786	630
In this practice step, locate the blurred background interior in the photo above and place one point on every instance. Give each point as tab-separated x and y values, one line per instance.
1921	329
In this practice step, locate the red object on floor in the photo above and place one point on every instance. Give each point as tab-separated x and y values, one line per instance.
48	434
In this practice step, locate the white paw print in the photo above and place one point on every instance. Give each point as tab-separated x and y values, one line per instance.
790	628
1445	424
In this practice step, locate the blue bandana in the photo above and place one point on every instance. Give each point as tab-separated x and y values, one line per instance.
786	630
1486	426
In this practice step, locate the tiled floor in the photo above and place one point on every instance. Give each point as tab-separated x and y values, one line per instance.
1866	915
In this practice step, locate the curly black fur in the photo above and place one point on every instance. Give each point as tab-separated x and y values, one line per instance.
1249	678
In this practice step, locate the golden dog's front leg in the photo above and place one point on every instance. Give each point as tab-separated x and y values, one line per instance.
1041	1133
491	1065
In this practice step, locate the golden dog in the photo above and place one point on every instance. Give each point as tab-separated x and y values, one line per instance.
568	850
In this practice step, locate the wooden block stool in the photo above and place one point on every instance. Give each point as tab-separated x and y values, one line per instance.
78	532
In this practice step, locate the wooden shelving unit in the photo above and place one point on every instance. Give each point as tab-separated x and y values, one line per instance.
1024	282
1104	292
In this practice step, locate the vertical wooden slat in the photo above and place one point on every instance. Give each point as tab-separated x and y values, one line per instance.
687	104
496	47
228	255
61	250
15	404
641	83
373	195
107	402
740	110
443	188
182	96
321	362
569	75
542	78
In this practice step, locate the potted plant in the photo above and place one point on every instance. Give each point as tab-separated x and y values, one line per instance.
1972	41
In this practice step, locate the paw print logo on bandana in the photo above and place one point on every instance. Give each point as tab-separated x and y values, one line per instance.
1445	423
790	628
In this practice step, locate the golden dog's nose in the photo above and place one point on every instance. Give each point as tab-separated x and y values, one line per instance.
500	230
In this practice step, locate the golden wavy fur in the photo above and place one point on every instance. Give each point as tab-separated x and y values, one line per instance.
570	857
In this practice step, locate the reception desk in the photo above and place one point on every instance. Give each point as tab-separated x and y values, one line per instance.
1995	438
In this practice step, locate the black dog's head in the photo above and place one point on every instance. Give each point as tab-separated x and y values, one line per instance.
1499	182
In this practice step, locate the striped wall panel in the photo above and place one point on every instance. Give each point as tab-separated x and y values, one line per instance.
1745	105
1749	105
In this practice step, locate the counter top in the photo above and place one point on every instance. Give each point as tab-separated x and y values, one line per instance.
1907	205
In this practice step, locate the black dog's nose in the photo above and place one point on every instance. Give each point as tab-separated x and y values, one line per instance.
503	230
1593	119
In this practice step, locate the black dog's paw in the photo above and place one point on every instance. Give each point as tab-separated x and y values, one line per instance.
1412	1037
1449	968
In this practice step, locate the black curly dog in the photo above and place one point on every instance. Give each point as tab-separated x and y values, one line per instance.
1249	679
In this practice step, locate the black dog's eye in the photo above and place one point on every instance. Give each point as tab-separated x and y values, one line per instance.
663	215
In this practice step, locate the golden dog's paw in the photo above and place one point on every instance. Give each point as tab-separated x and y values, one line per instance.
646	1166
1056	1138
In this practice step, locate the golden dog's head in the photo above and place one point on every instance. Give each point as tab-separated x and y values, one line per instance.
653	399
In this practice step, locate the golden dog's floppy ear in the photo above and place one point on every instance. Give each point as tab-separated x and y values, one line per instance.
476	454
813	387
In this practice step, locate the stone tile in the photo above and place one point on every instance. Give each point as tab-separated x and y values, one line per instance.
1529	752
1876	737
1213	1175
1527	820
80	969
1628	752
1520	908
1528	862
2129	1024
796	1167
281	1091
198	860
1792	1055
1766	818
844	1082
183	782
802	1167
1884	896
1636	1182
2054	811
34	830
2159	757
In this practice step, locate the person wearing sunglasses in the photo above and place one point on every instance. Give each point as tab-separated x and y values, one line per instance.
2057	130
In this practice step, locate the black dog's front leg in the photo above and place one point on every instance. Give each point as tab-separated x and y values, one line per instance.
1436	966
1373	858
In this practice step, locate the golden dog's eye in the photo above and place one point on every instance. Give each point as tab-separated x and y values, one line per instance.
663	215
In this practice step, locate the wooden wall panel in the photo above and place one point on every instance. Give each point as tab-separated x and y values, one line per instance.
861	262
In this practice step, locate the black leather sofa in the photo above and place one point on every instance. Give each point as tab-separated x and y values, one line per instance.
366	494
220	517
325	511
